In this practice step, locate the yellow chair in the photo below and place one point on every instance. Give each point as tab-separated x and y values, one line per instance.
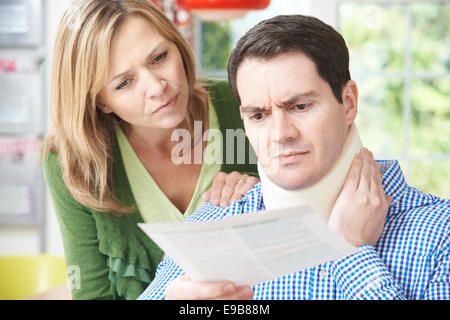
25	276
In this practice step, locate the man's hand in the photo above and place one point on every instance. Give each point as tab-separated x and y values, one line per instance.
360	210
227	188
183	288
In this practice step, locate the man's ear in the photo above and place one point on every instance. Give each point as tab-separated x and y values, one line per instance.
350	101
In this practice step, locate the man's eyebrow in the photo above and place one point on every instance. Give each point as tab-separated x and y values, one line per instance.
252	109
156	48
288	102
298	97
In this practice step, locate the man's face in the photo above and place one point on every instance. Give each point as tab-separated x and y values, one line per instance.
292	119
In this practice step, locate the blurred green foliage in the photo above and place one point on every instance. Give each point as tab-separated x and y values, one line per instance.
431	176
380	44
216	45
431	37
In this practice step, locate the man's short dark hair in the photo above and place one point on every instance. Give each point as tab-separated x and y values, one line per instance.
295	33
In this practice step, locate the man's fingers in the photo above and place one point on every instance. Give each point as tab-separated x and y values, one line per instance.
377	167
184	288
389	199
364	180
377	189
373	177
381	191
353	176
241	293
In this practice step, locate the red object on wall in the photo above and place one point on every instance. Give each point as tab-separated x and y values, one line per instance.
8	65
157	3
222	4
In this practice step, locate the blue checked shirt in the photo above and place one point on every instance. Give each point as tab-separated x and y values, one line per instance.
411	260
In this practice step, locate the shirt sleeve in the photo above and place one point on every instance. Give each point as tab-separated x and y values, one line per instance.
86	266
439	286
364	276
167	271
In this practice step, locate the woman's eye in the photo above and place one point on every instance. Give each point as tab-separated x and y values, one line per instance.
160	57
122	84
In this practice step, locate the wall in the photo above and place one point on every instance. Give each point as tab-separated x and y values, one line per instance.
26	240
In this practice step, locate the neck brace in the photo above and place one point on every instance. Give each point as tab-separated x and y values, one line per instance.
320	196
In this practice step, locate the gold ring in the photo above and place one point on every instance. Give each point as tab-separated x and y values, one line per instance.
241	181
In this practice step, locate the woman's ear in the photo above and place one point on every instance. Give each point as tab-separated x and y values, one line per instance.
103	107
350	101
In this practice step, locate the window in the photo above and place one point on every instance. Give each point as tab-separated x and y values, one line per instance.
400	58
218	38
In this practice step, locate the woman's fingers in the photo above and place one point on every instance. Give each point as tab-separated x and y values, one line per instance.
206	196
244	185
227	188
217	186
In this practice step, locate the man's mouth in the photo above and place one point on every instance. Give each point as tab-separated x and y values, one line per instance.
293	156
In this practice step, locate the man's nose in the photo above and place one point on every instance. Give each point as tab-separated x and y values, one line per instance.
283	128
154	84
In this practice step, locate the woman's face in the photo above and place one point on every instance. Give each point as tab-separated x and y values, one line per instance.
146	84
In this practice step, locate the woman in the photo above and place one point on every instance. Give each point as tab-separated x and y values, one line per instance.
123	87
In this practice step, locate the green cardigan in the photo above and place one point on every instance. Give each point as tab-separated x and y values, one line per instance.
109	256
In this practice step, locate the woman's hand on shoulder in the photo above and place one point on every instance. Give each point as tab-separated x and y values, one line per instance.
227	188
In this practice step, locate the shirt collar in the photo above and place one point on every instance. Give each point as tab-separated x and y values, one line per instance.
392	178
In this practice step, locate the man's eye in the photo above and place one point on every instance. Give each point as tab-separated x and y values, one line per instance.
257	116
301	107
160	57
122	84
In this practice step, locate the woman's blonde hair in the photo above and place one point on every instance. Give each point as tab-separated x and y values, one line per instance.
80	133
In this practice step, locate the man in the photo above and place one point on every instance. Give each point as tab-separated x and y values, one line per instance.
290	75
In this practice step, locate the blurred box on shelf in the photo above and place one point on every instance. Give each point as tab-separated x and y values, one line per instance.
20	22
20	181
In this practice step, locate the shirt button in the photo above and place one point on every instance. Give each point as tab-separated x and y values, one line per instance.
322	274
